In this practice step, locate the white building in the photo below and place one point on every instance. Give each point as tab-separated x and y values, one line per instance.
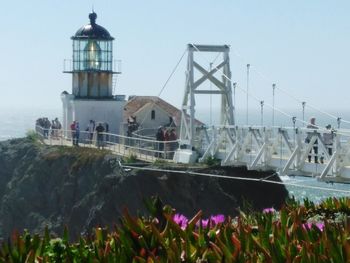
92	76
151	112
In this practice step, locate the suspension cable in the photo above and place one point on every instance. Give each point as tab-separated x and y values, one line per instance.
258	99
250	94
164	85
232	178
263	76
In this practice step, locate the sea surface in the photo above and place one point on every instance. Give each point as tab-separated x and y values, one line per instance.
15	123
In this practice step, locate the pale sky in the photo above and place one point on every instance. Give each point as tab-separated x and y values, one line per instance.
303	46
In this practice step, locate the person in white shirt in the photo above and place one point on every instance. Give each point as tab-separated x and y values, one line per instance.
328	138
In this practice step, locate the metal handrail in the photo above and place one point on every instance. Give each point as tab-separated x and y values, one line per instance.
117	143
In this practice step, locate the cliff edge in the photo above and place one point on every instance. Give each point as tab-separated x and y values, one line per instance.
81	188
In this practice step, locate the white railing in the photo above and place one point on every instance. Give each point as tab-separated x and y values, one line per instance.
145	149
287	150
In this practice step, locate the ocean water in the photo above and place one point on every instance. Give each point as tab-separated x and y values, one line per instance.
15	123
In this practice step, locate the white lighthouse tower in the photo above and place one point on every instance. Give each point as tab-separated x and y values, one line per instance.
92	72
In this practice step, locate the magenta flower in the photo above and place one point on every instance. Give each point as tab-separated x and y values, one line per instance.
181	220
205	223
217	219
320	225
269	210
307	226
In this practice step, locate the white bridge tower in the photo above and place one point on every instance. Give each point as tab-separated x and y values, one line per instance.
223	88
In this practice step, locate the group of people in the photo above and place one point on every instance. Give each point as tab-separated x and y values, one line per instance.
327	139
45	125
91	129
167	143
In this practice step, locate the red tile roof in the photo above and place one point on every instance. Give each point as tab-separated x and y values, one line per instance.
137	102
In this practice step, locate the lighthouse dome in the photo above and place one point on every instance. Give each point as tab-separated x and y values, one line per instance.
92	30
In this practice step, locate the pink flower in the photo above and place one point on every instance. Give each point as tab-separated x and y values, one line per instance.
204	222
308	226
320	225
269	210
181	220
217	219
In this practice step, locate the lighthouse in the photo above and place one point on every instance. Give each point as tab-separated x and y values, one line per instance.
93	78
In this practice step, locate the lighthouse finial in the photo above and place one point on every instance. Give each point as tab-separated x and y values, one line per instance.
92	17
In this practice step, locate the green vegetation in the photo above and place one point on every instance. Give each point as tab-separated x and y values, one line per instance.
294	234
212	161
132	158
32	136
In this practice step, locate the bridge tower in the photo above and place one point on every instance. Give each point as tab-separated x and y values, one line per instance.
223	88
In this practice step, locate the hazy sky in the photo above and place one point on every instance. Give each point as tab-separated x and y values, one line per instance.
301	45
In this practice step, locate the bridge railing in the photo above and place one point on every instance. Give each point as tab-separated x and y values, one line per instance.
287	149
143	148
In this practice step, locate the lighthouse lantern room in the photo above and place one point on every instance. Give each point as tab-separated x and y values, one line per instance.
92	72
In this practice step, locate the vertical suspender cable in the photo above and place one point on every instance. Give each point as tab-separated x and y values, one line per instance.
303	104
273	104
234	103
262	113
247	111
294	119
211	113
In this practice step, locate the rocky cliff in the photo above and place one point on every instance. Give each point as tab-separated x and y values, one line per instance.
82	188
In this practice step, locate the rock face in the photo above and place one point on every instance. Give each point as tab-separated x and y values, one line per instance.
83	188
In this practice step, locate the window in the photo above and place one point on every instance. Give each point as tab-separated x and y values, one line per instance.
153	114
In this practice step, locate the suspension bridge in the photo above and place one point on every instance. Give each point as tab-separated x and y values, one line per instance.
301	149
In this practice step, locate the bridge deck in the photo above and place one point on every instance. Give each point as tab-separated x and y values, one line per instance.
283	150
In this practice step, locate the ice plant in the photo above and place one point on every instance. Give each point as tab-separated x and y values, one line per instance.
217	219
308	225
181	220
249	238
320	225
204	222
269	210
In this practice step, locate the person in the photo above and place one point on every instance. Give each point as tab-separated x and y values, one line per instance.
46	125
107	132
160	138
91	129
173	143
58	127
328	138
132	126
312	125
72	128
77	133
166	144
53	129
99	130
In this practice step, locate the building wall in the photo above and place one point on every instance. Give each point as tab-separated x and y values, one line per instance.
109	111
143	116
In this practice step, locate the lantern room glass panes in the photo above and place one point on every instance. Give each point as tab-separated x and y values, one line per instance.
91	54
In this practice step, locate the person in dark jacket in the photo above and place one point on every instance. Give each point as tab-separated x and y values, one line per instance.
100	129
160	139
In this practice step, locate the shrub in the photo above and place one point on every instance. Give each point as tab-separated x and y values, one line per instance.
132	158
288	235
212	161
32	136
